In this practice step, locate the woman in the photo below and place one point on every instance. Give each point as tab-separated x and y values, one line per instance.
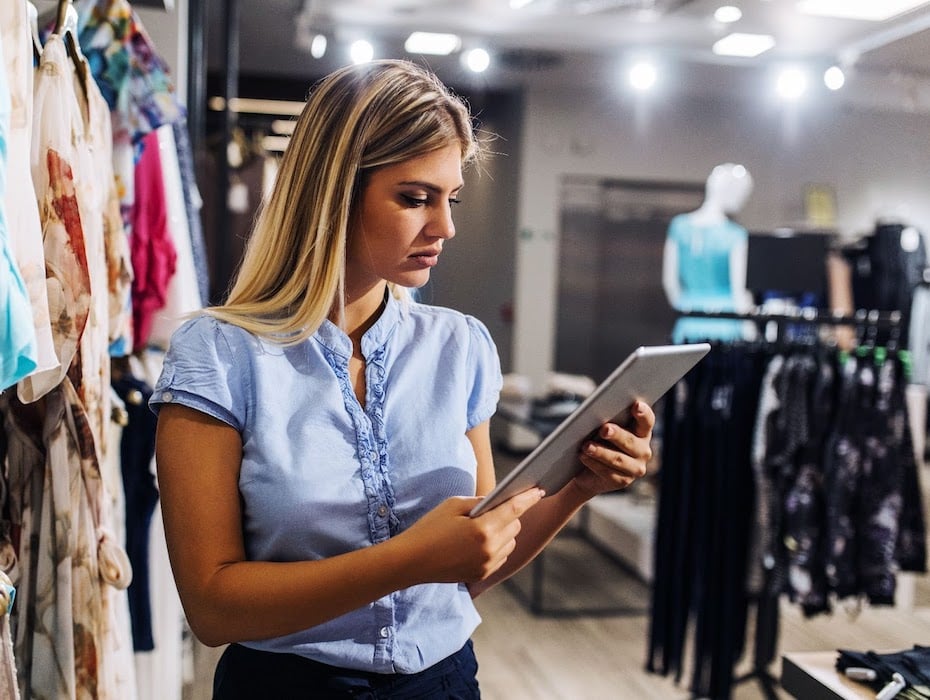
321	438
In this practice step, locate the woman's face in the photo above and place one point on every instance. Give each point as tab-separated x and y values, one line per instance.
405	216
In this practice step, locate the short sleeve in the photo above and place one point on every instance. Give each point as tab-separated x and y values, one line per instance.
203	370
485	369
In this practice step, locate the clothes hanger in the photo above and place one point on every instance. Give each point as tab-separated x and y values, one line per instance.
66	27
33	13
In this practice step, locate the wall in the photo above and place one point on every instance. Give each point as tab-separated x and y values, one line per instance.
876	160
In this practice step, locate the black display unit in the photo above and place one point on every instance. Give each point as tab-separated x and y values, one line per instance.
787	264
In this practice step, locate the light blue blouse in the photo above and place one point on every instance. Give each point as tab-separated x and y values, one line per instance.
704	277
322	475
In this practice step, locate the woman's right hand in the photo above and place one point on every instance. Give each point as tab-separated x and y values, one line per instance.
453	547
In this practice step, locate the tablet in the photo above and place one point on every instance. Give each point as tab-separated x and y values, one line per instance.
646	374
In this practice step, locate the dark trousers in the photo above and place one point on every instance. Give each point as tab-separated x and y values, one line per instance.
244	673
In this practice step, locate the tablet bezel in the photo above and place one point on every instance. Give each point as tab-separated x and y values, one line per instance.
646	374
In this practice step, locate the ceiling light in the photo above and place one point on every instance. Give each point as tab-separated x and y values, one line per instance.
872	10
643	75
361	51
318	46
746	45
728	14
834	78
477	60
791	84
432	43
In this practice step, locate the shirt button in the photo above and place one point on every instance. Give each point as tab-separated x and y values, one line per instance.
382	510
167	396
374	456
384	632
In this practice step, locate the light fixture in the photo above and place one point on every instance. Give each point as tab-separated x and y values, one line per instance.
745	45
476	60
834	78
283	126
318	46
252	105
871	10
517	4
727	14
361	51
791	84
432	43
643	75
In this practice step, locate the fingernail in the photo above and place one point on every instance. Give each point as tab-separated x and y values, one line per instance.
605	431
589	448
638	408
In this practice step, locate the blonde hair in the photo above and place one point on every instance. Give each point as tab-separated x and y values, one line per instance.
358	118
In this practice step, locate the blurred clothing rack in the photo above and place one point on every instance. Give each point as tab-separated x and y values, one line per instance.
864	317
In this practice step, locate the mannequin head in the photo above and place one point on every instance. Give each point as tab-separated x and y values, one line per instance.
728	187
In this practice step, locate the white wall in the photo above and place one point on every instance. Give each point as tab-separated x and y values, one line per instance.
875	161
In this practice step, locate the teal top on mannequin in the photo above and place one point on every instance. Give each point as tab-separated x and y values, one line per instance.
704	266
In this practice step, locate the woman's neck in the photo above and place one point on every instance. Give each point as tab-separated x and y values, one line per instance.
362	311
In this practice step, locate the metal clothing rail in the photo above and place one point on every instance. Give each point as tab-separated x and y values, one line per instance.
862	317
866	322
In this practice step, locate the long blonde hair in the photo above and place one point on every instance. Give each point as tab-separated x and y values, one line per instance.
358	118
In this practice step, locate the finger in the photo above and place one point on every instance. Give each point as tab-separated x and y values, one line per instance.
597	457
623	441
644	419
622	472
517	505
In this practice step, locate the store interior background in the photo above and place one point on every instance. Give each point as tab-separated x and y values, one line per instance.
868	142
567	124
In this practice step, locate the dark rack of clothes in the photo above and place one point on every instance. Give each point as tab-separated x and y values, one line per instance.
788	470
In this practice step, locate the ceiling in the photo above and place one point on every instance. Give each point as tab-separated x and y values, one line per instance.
557	42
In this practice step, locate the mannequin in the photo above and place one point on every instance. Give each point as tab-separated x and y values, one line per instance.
704	260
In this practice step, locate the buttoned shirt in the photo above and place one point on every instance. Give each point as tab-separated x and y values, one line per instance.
322	474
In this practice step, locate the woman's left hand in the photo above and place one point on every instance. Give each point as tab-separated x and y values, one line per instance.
619	456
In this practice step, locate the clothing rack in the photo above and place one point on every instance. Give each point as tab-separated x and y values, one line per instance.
867	324
811	315
772	324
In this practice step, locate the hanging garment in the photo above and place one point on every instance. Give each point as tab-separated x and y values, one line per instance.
133	78
68	547
18	353
57	124
182	295
22	211
154	258
137	450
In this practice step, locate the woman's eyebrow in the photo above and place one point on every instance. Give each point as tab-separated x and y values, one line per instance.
428	186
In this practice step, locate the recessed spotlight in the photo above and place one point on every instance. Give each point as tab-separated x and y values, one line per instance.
834	78
477	60
727	14
643	75
745	45
361	51
791	84
318	46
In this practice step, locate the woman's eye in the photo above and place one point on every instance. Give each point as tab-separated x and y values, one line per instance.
454	200
414	201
